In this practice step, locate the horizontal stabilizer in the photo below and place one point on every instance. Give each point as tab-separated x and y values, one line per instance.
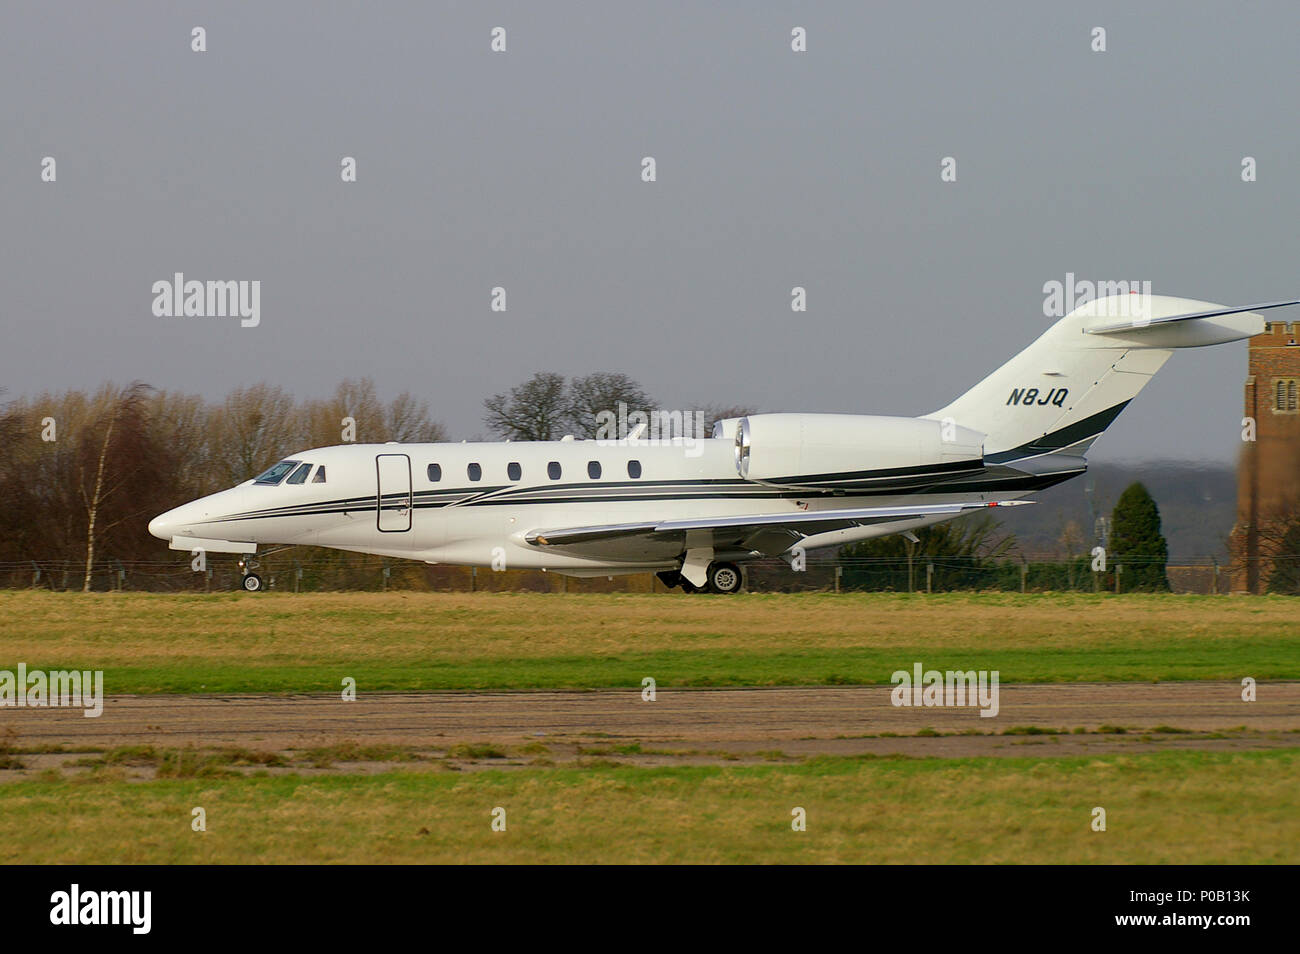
1139	322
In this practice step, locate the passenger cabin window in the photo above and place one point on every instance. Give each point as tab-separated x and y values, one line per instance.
275	474
320	475
299	476
634	469
435	473
475	472
593	469
553	470
514	471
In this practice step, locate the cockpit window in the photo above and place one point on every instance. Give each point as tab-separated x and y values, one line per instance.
320	475
276	474
299	476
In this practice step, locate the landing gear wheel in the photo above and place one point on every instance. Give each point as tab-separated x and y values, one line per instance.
252	583
724	578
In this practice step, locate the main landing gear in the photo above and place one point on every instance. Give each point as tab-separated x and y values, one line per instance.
722	578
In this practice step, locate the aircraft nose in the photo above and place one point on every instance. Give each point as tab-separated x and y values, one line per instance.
163	525
183	520
174	521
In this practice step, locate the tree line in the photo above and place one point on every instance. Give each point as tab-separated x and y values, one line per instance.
976	553
83	472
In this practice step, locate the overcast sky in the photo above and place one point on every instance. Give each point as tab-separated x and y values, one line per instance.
523	170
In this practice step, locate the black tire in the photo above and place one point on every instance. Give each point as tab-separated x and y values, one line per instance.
251	583
725	578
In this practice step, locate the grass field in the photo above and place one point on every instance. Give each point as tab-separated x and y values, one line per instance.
1181	806
1171	807
272	642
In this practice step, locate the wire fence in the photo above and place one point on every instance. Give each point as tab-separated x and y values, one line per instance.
314	572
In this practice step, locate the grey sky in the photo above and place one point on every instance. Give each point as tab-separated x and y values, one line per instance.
523	170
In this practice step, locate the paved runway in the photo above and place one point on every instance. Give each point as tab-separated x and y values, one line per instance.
797	721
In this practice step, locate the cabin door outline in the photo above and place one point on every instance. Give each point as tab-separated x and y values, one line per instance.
393	492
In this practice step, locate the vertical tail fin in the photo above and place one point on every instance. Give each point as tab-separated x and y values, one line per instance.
1061	392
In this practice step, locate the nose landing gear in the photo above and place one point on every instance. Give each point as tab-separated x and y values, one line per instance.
250	581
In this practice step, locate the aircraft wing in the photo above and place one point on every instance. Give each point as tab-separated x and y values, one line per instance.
770	533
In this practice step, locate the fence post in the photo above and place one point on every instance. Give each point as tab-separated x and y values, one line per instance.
839	572
36	574
1216	577
1119	569
385	577
929	577
297	574
1024	573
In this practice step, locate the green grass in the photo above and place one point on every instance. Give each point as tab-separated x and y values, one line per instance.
1169	807
424	641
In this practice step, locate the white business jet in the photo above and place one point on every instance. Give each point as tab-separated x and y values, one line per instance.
762	485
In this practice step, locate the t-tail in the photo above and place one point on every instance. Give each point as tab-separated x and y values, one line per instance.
1042	410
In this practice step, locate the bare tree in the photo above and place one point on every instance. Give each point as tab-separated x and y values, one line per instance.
601	392
124	413
407	419
1071	543
721	412
534	411
253	428
183	423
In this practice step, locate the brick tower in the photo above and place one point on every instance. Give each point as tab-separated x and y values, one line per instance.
1268	475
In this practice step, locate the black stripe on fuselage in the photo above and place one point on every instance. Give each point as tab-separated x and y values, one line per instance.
883	475
949	478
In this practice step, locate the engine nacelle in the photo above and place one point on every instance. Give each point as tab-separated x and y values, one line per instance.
853	451
726	428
